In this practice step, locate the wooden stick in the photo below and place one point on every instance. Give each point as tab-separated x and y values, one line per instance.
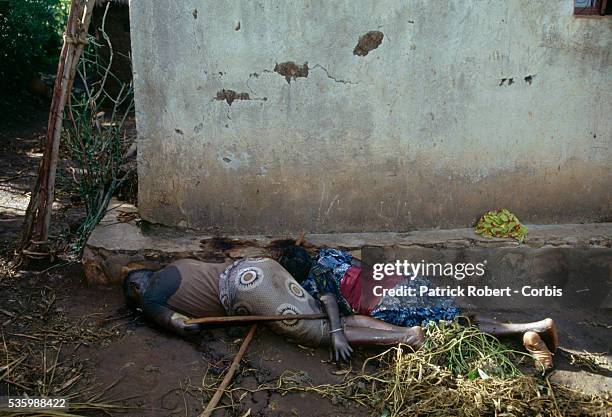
300	239
38	214
33	209
230	373
54	127
250	319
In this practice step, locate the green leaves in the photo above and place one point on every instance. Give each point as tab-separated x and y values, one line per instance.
500	223
30	38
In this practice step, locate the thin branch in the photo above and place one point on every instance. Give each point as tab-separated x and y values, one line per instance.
110	48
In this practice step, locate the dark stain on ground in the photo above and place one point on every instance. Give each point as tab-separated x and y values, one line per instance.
368	42
222	245
226	243
231	95
290	70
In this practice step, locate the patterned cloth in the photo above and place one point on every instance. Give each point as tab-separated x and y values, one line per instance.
414	311
262	287
326	276
329	269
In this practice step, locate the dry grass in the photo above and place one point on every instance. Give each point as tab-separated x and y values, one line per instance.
461	372
38	358
594	362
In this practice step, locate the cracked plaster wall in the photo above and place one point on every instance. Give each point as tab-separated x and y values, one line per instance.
462	107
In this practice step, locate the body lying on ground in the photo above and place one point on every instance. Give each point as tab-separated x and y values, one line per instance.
335	274
189	288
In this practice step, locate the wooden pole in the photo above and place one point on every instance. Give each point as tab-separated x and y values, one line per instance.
300	239
38	214
230	374
34	204
250	319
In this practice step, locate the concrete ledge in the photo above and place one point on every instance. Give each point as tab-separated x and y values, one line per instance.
121	238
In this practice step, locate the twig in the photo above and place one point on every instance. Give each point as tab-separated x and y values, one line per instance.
230	373
8	313
7	367
27	336
14	177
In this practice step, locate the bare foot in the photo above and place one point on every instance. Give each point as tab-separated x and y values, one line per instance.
415	337
538	349
548	332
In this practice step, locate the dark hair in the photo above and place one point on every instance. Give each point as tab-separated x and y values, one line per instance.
296	261
135	276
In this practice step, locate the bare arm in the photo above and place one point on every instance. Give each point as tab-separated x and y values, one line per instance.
168	319
341	349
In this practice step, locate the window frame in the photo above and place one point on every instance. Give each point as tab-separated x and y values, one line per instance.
597	9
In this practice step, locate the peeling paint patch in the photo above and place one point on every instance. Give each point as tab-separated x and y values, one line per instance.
195	13
290	70
529	78
237	27
368	42
230	96
506	81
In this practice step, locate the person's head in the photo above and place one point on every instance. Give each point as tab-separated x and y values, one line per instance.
134	285
296	261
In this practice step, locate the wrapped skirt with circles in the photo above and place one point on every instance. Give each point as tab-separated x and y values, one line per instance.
261	286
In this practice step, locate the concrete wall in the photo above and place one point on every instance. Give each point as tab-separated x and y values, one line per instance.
464	106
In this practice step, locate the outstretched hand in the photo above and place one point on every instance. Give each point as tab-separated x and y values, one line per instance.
341	350
180	325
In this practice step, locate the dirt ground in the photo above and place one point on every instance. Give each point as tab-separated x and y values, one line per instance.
102	346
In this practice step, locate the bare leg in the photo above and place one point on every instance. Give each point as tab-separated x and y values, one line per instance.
363	330
546	329
538	337
359	320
